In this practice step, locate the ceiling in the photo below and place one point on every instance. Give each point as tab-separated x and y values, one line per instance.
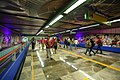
30	16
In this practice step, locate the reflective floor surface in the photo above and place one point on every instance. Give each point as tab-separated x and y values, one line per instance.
70	65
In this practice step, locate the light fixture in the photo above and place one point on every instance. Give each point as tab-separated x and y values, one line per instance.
89	26
67	30
109	22
52	34
76	4
47	26
74	29
56	33
39	32
117	20
56	19
62	32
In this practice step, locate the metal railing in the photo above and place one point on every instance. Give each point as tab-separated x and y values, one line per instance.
9	56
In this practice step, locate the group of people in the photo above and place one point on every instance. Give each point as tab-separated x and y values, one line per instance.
69	42
90	43
49	43
53	44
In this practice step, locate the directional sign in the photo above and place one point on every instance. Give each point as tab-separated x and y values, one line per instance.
96	17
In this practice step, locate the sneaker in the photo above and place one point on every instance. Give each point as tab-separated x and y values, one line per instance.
90	55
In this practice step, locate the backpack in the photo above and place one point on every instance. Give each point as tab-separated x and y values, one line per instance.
88	44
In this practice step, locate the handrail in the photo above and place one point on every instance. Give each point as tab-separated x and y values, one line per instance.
12	71
14	49
6	51
3	57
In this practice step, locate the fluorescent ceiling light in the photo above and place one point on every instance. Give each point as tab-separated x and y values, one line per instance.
47	26
79	2
52	34
56	19
74	29
93	25
39	32
56	33
62	32
117	20
109	22
89	26
67	30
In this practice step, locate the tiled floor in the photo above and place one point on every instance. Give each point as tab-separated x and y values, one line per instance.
66	66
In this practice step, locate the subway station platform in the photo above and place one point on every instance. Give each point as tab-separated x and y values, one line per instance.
91	24
70	65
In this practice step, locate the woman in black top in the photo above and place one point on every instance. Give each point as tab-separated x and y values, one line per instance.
33	43
91	48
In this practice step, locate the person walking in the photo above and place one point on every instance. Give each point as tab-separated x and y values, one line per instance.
65	43
48	47
55	45
87	45
70	43
99	45
91	48
42	43
33	43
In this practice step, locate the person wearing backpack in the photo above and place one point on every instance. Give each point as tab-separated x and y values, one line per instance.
91	48
87	45
99	44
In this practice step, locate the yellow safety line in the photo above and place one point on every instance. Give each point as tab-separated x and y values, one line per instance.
85	79
111	67
32	68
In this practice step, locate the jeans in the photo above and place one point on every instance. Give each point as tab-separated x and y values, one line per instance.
71	47
99	48
75	46
48	52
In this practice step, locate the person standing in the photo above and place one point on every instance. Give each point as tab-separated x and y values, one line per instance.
48	47
99	44
33	43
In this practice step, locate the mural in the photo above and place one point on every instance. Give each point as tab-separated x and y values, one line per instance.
7	40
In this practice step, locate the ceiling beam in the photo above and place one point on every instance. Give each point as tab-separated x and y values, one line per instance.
20	24
12	14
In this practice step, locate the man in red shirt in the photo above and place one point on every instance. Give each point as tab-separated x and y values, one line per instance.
48	47
99	44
